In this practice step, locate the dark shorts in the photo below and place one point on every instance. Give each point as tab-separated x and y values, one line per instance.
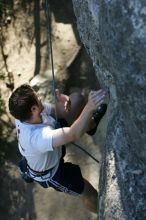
68	179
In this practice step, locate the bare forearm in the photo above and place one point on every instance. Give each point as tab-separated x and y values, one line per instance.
80	126
68	134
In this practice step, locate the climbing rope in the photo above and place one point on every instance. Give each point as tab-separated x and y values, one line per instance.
86	152
48	16
49	32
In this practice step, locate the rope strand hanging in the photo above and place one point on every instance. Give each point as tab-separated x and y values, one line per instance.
48	16
49	32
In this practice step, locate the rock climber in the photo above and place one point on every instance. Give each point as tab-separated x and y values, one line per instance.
42	143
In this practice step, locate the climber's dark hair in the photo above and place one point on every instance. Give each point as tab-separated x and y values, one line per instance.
21	101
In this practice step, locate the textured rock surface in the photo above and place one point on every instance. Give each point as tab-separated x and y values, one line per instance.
114	34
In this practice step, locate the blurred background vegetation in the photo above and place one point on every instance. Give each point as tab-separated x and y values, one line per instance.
6	126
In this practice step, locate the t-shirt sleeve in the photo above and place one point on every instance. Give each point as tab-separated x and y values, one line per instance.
41	139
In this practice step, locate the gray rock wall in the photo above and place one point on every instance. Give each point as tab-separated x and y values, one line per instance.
114	34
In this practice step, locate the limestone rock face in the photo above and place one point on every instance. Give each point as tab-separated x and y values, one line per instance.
114	34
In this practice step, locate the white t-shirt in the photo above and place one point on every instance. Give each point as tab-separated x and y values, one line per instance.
35	143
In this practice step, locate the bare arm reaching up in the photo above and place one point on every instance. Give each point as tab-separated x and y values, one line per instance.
79	127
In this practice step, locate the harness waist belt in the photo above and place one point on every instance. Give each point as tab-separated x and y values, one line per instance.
40	173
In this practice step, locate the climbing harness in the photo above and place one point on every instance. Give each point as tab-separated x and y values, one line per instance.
48	17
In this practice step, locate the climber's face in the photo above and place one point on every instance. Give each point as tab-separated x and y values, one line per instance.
37	109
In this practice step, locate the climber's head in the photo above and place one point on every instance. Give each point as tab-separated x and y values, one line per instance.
24	103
